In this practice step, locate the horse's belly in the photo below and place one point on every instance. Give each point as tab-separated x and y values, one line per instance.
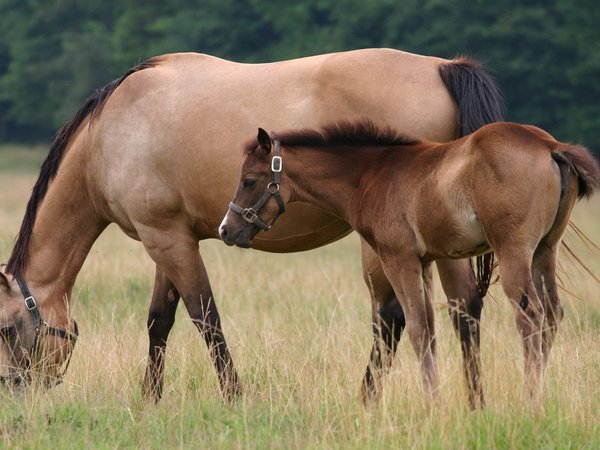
302	227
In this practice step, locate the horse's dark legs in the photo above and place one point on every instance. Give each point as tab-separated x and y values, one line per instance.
160	321
387	321
176	251
203	312
465	304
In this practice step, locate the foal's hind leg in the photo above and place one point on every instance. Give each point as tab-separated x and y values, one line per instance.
387	322
465	304
160	321
544	277
517	282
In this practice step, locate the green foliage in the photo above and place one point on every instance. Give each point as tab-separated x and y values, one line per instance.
545	54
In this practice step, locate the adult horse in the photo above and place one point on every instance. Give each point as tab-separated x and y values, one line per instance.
146	152
506	187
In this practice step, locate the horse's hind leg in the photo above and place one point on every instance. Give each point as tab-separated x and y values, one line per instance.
387	322
465	304
161	317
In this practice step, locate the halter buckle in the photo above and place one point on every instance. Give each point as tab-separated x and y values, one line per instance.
30	303
276	164
249	215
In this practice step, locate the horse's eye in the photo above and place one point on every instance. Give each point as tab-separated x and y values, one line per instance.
248	183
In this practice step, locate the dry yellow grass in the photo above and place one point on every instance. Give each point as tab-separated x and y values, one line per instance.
298	327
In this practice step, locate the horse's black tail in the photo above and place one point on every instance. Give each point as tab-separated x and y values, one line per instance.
480	102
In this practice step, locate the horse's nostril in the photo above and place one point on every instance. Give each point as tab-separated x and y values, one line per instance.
223	233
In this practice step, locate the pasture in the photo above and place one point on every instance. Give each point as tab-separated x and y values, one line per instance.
298	327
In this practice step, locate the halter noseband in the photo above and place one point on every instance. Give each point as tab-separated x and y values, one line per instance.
47	330
250	215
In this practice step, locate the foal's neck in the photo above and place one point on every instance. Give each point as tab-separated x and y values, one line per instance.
328	178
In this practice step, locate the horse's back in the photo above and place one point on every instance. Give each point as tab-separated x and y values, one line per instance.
169	139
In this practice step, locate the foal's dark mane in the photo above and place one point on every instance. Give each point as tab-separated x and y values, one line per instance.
92	107
342	134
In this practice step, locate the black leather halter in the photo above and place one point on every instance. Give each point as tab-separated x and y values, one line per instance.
42	328
250	215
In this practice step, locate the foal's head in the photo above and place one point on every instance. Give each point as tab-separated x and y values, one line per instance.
258	200
35	342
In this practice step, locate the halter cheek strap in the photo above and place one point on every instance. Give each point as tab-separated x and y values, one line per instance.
250	214
47	330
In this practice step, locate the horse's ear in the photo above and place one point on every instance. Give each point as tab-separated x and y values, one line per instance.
4	283
7	332
264	140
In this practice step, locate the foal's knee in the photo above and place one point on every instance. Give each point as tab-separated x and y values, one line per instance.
530	315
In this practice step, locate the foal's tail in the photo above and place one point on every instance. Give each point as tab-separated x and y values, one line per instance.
480	102
579	177
583	166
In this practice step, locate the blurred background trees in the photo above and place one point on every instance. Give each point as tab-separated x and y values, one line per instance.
545	54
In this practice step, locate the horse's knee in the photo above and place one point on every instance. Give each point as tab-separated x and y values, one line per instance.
465	315
159	324
389	321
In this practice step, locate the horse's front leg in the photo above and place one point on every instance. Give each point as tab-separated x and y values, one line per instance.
464	306
387	322
407	275
176	251
161	318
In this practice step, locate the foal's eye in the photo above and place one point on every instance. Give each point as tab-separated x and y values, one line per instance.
248	183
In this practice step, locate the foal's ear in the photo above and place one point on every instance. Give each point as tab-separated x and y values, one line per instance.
264	140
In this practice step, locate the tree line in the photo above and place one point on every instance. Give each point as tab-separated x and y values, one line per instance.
545	54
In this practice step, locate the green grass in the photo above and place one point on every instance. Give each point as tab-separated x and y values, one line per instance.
298	328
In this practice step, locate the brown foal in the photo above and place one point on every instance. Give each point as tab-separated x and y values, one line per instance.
508	188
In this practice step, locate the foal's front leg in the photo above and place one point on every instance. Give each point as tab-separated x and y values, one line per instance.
387	322
406	273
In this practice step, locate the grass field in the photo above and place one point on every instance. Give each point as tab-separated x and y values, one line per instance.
298	327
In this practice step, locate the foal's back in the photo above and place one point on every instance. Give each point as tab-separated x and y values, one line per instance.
465	195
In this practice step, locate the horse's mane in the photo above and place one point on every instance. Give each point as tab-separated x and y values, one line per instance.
91	108
342	134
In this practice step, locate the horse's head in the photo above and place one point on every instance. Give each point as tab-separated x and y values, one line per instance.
35	342
259	199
